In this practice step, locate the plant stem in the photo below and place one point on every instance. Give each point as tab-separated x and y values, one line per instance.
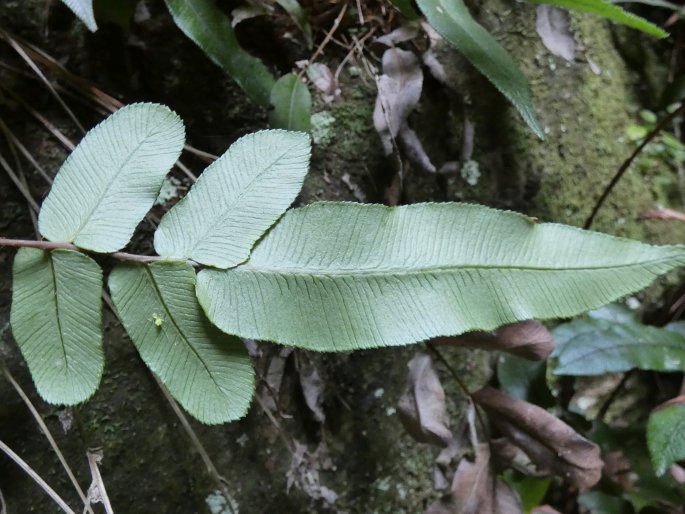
48	436
48	245
626	164
36	477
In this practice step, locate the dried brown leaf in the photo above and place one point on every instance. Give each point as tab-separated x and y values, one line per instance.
399	35
475	490
312	387
617	469
324	80
544	509
553	27
422	406
414	151
399	90
304	472
678	473
663	214
549	442
529	339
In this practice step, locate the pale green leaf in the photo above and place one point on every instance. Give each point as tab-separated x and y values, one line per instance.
665	430
112	178
340	276
56	319
597	346
453	21
609	11
210	29
208	372
291	104
236	199
84	10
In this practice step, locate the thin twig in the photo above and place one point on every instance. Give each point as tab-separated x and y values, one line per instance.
614	395
186	171
211	468
326	39
274	421
94	459
49	245
29	157
49	126
21	186
36	477
626	164
48	435
457	379
22	53
205	156
3	505
357	47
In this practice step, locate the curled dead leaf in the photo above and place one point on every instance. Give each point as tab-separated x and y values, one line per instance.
312	386
549	442
399	91
475	490
554	28
422	406
529	339
324	80
399	35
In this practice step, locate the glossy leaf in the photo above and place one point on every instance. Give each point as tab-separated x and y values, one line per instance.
453	21
210	29
112	178
236	199
596	346
291	104
208	372
56	319
84	10
609	11
665	434
342	276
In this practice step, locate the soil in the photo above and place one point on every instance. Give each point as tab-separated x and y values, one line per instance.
361	452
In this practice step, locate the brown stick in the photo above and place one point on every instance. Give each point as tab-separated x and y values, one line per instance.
626	164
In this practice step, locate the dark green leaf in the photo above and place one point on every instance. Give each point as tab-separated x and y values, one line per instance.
294	9
597	502
524	379
291	104
665	430
453	21
211	30
596	346
406	8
